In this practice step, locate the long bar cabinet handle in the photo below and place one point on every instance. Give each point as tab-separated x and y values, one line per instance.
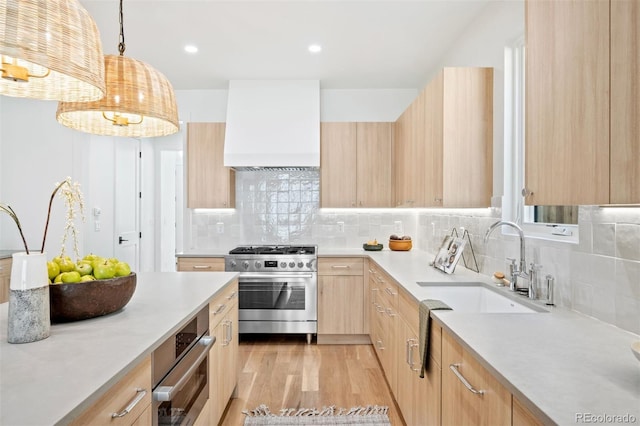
201	266
390	292
454	368
140	393
341	266
220	309
412	343
232	295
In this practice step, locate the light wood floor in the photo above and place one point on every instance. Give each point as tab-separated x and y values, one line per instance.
283	371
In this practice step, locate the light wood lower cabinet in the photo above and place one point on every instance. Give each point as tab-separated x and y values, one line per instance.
5	279
418	398
522	416
204	264
204	419
470	394
341	300
223	358
129	388
384	322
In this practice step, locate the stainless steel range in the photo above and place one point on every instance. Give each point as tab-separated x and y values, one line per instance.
278	288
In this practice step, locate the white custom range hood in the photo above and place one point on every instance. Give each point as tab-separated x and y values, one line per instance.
273	123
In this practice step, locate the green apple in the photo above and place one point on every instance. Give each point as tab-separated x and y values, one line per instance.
65	263
83	268
86	278
104	271
70	277
58	279
91	257
122	269
53	269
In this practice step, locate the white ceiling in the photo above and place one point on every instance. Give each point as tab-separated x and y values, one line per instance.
366	44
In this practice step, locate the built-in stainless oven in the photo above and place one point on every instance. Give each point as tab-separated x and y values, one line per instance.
277	289
181	373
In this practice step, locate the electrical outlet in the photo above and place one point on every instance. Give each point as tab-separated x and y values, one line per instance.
341	227
397	227
220	227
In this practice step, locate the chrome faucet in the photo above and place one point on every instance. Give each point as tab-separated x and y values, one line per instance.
519	271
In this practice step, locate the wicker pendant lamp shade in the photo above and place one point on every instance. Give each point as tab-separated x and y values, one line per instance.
139	101
50	50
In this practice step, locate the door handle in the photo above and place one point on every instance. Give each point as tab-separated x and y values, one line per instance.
121	240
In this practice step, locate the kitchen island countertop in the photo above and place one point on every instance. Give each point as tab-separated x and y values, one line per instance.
53	380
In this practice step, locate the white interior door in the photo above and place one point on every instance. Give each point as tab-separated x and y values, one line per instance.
127	201
168	211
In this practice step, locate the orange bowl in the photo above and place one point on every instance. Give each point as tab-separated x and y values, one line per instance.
400	245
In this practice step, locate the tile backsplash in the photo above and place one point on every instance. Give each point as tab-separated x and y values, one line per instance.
599	276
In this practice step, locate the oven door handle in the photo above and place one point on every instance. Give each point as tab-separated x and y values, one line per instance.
272	276
165	393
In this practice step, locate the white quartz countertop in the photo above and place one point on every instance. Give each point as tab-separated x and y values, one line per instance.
560	363
53	380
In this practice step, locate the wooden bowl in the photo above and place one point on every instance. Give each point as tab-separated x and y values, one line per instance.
400	245
80	301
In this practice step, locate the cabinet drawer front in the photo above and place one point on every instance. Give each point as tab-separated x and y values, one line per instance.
410	314
204	264
220	305
340	266
116	399
388	290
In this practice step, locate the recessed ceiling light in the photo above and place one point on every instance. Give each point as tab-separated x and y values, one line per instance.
190	48
315	48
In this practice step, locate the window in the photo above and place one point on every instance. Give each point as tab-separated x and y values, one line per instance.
548	222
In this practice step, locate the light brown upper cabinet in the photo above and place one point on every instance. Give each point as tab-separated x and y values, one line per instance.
209	183
625	102
409	156
355	164
444	142
582	140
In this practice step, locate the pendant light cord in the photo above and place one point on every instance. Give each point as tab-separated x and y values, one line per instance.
121	45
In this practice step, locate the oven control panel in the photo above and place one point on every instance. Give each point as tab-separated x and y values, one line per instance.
265	264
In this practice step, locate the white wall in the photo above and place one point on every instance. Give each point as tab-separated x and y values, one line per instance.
364	105
36	152
335	105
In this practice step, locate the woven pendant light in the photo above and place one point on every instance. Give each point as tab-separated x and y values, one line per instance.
139	101
50	50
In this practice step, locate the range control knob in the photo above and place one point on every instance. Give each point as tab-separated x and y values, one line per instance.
300	264
292	264
309	264
258	264
233	264
245	264
283	264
